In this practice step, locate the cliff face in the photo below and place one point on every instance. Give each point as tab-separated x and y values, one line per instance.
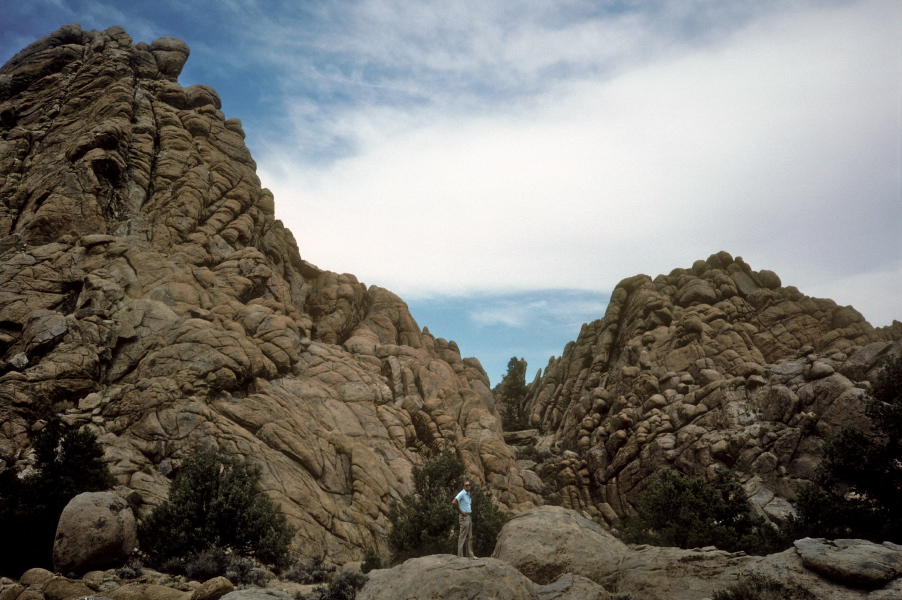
716	366
147	290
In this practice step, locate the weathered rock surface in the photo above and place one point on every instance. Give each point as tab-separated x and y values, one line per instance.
213	589
858	563
148	292
549	541
531	544
96	531
446	577
258	594
713	367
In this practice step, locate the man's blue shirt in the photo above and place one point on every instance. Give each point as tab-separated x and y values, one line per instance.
463	501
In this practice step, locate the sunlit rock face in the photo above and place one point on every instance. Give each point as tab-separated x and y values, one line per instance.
712	367
147	290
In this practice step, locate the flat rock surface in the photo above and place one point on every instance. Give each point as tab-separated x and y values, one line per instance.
858	563
446	577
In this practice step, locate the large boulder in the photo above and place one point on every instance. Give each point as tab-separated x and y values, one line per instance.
451	578
548	541
96	531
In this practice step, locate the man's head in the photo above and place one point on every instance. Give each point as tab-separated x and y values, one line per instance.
467	485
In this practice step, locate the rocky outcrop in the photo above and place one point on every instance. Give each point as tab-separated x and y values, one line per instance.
96	531
713	367
452	578
573	565
858	563
838	570
550	541
148	292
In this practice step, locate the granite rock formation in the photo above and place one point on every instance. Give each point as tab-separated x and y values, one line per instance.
452	578
148	292
96	531
712	367
544	542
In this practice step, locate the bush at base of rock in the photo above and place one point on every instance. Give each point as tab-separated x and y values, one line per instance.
343	587
371	560
217	562
312	571
215	501
689	512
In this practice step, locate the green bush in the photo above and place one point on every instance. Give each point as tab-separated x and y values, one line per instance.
312	571
425	522
68	463
215	501
858	489
689	512
343	587
371	560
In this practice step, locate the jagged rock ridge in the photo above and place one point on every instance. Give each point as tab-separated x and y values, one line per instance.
716	366
147	290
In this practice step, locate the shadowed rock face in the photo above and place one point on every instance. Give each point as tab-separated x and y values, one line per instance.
147	290
717	366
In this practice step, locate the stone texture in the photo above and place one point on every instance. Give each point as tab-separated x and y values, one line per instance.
572	587
258	594
549	541
713	367
857	563
148	292
446	577
36	577
96	530
213	589
61	588
531	544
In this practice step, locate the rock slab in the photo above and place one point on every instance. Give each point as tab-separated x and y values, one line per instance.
858	563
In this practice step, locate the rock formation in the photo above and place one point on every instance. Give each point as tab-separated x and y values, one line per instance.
544	542
451	578
96	531
148	292
716	366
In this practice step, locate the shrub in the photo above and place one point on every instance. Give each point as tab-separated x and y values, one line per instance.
689	512
217	562
313	571
371	560
425	522
344	587
132	569
68	463
858	488
216	502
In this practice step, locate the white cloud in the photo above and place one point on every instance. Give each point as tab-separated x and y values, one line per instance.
778	143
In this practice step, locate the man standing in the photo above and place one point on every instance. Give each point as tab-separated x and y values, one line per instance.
465	538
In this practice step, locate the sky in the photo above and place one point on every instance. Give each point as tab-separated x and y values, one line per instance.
502	165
